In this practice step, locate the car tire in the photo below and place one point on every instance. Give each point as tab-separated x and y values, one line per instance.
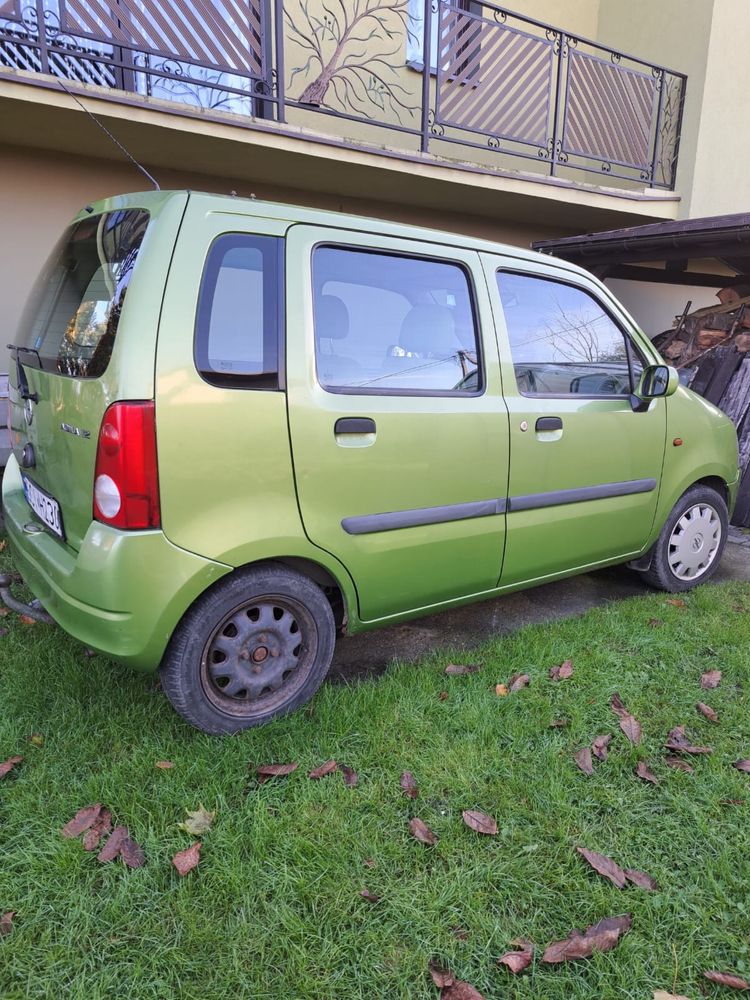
255	647
690	545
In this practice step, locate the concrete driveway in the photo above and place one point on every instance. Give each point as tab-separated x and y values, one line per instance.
371	652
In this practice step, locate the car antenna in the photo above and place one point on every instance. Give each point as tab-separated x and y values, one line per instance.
106	131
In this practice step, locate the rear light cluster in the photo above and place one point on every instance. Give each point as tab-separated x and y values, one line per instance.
126	480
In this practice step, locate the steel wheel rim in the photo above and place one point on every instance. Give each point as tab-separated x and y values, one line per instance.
259	656
694	542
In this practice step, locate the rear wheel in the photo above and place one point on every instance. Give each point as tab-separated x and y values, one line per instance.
691	543
254	648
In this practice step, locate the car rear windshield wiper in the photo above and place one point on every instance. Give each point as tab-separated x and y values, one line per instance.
23	383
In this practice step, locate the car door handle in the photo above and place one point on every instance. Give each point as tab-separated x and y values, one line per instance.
548	424
354	425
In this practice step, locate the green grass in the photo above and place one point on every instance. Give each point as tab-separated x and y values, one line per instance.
274	911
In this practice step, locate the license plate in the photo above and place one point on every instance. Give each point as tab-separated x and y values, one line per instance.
46	508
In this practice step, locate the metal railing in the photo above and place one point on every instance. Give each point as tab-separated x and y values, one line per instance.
459	77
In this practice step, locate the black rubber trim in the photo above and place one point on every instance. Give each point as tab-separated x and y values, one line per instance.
549	424
556	498
354	425
370	523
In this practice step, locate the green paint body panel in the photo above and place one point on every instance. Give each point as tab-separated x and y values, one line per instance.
250	475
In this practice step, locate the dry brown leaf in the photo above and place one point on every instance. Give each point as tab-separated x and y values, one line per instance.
600	746
101	828
631	727
520	959
727	979
460	933
518	681
198	822
350	776
604	866
82	820
642	879
265	772
111	849
37	740
501	690
461	990
7	765
132	853
369	896
679	764
583	759
677	741
443	696
441	976
617	706
164	765
677	602
6	922
663	995
711	679
370	862
645	773
559	724
562	672
707	711
480	822
422	832
655	622
328	767
27	619
742	765
456	669
598	937
409	785
185	861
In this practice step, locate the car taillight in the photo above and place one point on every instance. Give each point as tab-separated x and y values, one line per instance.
126	480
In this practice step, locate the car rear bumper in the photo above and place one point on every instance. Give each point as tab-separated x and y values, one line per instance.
122	593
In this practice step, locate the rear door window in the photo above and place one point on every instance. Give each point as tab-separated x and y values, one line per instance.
73	313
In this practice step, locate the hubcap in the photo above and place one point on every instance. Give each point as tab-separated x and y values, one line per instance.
694	542
259	655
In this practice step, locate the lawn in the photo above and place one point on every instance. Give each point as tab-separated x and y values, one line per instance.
274	909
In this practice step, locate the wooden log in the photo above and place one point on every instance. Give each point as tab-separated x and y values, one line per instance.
742	342
727	296
710	338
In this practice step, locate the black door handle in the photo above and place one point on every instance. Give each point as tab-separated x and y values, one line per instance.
354	425
549	424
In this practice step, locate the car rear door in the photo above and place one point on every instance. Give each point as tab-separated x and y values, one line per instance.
398	426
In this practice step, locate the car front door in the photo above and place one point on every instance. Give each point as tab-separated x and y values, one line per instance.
398	426
585	467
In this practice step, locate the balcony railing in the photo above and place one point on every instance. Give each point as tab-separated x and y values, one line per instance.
461	78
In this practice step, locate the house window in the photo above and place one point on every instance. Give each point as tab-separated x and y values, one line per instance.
415	30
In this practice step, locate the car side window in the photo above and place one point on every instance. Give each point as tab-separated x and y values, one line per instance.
562	340
239	312
392	323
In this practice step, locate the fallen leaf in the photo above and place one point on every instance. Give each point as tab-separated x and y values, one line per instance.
100	828
742	765
6	922
370	862
350	776
185	861
197	822
4	612
480	822
677	602
631	727
642	879
563	672
460	933
677	741
461	991
111	849
617	706
655	622
732	802
443	696
707	711
441	976
501	690
422	832
7	765
455	669
645	773
711	679
559	724
36	739
663	995
520	959
131	853
604	866
82	820
598	937
164	765
518	681
582	758
409	785
267	771
27	619
324	769
727	979
369	896
600	746
679	764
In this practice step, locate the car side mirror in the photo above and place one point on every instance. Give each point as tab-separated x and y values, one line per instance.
656	381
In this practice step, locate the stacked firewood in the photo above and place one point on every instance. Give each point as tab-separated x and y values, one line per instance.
724	325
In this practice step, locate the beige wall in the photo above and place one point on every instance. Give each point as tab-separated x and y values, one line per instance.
654	306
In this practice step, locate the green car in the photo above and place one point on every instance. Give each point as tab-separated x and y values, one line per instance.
240	428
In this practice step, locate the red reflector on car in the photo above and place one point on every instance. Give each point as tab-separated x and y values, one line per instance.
126	479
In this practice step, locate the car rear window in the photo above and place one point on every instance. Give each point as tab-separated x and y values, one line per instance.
70	321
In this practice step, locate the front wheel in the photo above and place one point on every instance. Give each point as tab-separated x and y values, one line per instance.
255	647
691	543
